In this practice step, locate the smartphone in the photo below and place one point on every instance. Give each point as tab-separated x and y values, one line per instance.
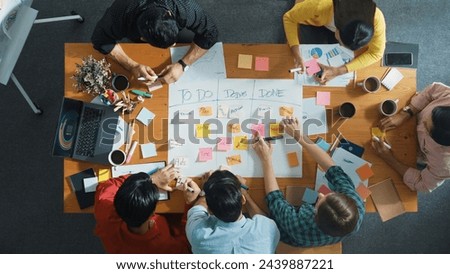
398	58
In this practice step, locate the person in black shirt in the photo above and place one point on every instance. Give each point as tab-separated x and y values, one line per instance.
158	23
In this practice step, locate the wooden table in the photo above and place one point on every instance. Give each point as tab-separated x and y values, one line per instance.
356	129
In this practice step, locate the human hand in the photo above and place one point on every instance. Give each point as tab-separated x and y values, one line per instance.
164	176
243	182
140	70
191	196
328	73
171	73
394	121
291	126
381	149
262	148
298	63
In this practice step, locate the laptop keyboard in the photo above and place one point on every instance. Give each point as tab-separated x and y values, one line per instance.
88	133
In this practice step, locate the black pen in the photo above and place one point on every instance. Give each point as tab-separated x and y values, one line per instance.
252	141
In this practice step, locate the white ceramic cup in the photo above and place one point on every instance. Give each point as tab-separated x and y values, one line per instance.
371	84
389	107
116	157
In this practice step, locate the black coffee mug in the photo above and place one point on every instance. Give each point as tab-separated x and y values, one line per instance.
120	82
347	110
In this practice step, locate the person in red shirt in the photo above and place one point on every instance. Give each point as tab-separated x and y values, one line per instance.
125	214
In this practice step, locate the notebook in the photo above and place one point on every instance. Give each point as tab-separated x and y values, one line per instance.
386	200
85	199
392	78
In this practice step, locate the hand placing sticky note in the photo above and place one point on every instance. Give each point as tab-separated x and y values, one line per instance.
245	61
364	172
202	131
224	143
148	150
363	191
292	159
145	116
260	128
205	111
205	154
262	63
274	130
377	132
310	196
324	190
323	98
286	111
234	160
312	67
240	142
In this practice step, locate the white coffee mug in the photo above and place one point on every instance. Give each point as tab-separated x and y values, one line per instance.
389	107
116	157
371	84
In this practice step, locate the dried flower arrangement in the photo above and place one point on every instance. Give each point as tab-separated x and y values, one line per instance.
92	76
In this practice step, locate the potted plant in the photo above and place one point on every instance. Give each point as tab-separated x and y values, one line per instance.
92	76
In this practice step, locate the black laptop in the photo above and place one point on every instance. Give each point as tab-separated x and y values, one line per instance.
85	131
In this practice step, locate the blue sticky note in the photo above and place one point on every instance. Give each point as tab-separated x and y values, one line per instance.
148	150
323	144
310	196
145	116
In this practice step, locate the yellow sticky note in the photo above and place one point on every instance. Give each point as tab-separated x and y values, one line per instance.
286	111
205	111
202	130
240	142
245	61
378	133
275	130
234	128
104	174
234	160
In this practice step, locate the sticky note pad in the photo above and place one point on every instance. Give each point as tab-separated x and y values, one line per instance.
205	154
274	130
154	86
364	172
223	143
378	132
262	63
90	184
222	111
202	130
234	128
312	67
234	160
292	159
260	128
324	190
245	61
205	111
239	142
104	174
286	111
180	161
323	98
148	150
363	191
145	116
310	196
323	144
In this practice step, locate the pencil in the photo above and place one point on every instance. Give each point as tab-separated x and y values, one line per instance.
130	135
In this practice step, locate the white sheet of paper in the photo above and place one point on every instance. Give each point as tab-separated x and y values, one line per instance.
145	116
148	150
314	117
90	184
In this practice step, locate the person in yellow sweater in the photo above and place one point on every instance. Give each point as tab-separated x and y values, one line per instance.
357	24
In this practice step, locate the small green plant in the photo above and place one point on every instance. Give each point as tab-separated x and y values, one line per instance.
92	76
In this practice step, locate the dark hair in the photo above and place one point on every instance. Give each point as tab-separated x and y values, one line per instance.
158	27
337	215
440	131
136	199
356	34
223	195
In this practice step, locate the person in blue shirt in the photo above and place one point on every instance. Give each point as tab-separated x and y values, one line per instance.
215	224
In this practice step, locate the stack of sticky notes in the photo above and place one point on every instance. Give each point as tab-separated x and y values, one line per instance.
323	98
145	116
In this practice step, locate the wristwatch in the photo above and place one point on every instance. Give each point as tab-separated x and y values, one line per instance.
184	65
408	110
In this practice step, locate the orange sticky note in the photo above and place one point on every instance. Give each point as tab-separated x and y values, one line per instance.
292	159
286	111
234	160
205	111
363	191
202	130
324	190
364	172
262	63
234	128
275	130
240	142
245	61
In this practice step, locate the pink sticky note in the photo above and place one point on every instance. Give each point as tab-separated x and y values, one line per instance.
323	98
224	143
262	63
205	154
259	128
324	190
312	67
